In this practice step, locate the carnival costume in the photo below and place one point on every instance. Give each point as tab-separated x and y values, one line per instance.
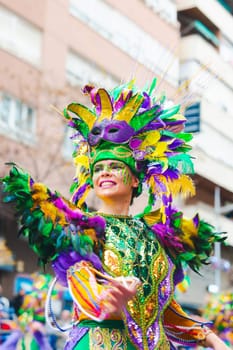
89	249
27	331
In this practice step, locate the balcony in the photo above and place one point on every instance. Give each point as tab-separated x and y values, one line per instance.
209	12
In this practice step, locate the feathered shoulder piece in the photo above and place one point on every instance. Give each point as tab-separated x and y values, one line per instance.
190	241
52	224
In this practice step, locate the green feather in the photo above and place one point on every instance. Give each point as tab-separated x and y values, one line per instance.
182	160
140	120
169	112
152	86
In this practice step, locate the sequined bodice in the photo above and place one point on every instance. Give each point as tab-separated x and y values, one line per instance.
132	249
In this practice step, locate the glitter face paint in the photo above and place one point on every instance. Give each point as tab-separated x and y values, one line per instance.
119	169
113	179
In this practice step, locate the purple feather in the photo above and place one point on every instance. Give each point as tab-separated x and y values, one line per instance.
65	260
78	217
171	174
87	89
154	169
155	125
167	236
147	101
122	100
196	220
172	122
71	124
79	193
178	276
75	197
176	143
98	104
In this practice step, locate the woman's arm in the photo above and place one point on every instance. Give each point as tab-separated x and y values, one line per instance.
120	293
213	341
190	329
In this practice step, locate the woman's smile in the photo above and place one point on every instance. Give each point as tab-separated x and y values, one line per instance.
107	183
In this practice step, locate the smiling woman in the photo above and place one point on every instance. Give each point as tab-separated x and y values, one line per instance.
121	270
113	183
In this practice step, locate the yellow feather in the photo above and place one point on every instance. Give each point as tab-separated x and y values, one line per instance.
81	161
51	212
189	231
152	218
159	151
39	192
106	105
84	113
130	108
183	185
151	139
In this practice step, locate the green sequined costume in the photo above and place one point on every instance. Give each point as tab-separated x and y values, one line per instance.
132	249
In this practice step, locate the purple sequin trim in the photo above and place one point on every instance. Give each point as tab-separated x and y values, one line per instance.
75	335
153	331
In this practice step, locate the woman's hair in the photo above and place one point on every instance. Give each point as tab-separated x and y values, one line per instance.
134	194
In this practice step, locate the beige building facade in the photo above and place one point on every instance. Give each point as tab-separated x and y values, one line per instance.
206	68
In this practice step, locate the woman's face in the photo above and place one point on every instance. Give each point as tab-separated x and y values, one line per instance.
113	179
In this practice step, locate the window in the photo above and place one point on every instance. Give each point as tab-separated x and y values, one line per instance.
128	36
68	144
192	114
165	8
17	117
80	71
19	37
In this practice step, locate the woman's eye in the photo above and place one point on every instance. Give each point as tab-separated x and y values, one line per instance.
97	169
116	167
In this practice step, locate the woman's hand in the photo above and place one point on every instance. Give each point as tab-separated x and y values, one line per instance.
120	292
214	342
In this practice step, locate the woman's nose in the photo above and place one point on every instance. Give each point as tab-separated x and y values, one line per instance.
105	171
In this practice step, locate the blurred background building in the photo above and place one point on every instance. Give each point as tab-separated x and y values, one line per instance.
51	48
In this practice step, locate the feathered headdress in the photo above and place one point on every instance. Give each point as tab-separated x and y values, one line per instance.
134	127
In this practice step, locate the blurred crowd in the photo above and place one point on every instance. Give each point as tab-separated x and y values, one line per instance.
219	310
23	324
22	320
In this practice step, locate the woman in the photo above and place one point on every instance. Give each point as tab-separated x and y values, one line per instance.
120	270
